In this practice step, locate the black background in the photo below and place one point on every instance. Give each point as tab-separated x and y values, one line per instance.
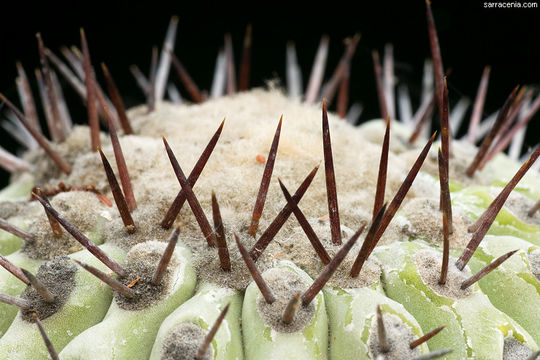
122	33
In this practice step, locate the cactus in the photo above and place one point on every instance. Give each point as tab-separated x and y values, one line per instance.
392	244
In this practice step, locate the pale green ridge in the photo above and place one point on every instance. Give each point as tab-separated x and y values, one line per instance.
85	307
18	190
10	243
453	186
263	342
203	310
511	288
351	313
474	200
486	327
475	328
500	170
96	235
11	285
130	334
504	169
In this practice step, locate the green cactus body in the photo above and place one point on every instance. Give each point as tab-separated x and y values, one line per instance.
351	314
18	190
130	334
475	328
263	342
86	306
513	277
11	285
167	296
504	169
474	200
486	327
202	310
10	243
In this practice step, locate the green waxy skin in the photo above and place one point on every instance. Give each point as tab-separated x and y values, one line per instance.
263	342
511	288
352	313
474	200
203	309
10	243
130	334
85	307
475	328
18	190
505	168
11	285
